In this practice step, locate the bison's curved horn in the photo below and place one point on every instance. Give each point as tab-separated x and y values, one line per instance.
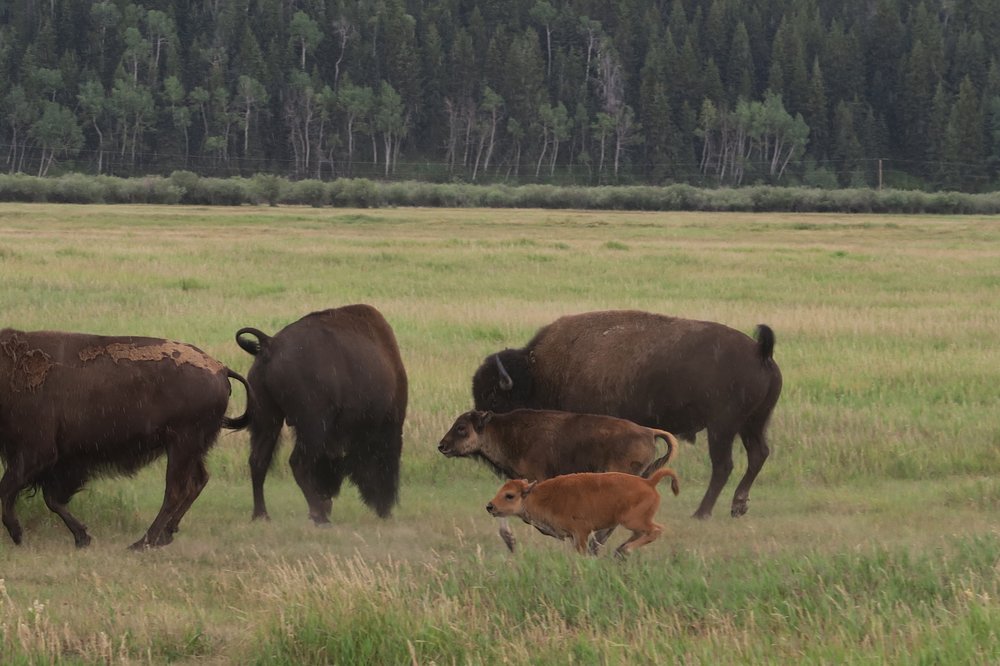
506	383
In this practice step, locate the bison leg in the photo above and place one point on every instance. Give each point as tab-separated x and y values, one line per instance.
57	495
598	540
720	450
186	476
197	483
10	485
580	540
507	534
755	444
264	433
639	538
18	475
304	469
375	469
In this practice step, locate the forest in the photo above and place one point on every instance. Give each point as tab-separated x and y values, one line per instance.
854	93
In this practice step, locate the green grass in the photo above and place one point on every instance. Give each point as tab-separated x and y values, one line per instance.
874	529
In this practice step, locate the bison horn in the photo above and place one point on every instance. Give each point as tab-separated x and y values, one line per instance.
506	383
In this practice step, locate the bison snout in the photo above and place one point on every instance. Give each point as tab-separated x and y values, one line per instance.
490	508
444	448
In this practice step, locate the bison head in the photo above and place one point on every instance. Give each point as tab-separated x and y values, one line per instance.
509	500
504	381
462	439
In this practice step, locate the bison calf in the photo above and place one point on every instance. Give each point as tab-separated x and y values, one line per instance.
537	444
577	505
75	405
540	444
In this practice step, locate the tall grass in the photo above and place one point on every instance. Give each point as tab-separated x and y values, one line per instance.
873	529
858	607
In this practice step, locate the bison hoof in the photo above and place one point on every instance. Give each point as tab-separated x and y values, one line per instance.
740	507
701	515
145	543
83	541
261	516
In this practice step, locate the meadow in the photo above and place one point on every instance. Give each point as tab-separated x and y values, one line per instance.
874	529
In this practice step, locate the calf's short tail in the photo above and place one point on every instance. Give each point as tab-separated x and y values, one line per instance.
664	459
675	485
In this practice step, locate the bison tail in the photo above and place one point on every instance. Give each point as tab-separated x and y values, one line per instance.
240	422
251	347
765	341
675	485
672	448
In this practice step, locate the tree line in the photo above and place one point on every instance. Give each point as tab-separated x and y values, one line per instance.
778	92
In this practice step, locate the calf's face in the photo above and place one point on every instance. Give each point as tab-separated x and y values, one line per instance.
509	499
462	438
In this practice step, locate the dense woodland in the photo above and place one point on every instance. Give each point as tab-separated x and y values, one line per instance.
707	92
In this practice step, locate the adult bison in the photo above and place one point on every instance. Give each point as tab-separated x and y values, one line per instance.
337	378
663	372
74	405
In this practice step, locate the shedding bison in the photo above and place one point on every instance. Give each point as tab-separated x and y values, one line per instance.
337	378
74	406
662	372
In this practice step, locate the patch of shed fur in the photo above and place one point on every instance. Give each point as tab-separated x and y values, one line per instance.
175	351
30	366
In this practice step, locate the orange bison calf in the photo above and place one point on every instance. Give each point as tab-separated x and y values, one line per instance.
577	505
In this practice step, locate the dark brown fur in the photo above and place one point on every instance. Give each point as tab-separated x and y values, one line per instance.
539	444
337	378
663	372
75	405
577	505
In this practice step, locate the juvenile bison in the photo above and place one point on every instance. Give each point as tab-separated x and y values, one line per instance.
577	505
540	444
73	406
663	372
337	378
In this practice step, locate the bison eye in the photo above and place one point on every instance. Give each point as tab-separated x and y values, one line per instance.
509	496
460	431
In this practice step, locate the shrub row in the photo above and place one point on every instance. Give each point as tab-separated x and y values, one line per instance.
185	187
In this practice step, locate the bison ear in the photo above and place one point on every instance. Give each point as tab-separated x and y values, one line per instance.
479	420
528	488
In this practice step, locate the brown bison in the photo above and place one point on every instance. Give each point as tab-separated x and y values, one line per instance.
577	505
540	444
73	406
537	444
663	372
337	378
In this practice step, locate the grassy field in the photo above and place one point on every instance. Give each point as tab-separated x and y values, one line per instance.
874	529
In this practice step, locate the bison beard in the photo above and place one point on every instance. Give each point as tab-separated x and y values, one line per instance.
78	405
679	375
336	377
